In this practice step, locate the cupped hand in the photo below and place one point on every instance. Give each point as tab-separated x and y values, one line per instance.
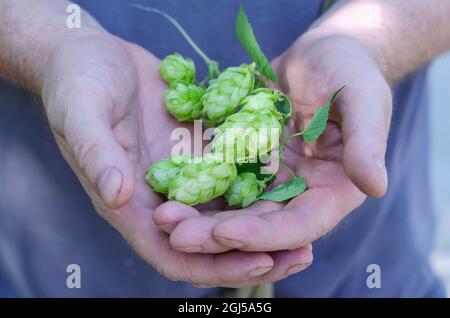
103	98
343	166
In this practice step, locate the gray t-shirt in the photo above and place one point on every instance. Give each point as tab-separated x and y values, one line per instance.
47	221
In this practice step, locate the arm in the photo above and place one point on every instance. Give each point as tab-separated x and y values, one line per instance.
401	34
29	31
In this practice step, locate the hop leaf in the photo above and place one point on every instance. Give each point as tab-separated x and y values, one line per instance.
319	121
244	190
244	32
183	101
176	69
226	92
285	191
198	183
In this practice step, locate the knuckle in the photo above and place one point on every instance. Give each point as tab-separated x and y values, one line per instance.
303	221
313	224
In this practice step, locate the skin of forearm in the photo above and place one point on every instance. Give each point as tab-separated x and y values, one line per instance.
402	35
29	31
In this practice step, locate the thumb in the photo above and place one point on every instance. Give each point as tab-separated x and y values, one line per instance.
365	125
102	160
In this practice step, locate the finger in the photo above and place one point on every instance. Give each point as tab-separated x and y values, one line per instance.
302	221
194	235
366	116
232	269
170	213
228	269
89	136
286	263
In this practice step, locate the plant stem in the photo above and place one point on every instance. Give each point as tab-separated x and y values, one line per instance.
292	136
291	172
266	179
213	66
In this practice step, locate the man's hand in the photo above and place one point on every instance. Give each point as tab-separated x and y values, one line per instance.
364	45
343	166
103	97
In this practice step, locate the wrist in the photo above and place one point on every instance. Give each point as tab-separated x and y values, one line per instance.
54	42
70	62
30	32
367	22
364	44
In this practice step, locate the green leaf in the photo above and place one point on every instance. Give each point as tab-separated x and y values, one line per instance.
246	36
285	191
319	121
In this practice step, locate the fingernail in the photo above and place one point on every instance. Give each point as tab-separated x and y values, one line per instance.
190	249
229	242
110	184
296	268
258	271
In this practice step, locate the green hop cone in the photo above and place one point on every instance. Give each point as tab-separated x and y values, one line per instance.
183	101
226	92
252	132
272	100
198	183
161	173
176	69
244	190
262	99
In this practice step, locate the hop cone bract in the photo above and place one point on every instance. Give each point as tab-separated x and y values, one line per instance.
183	101
201	182
226	92
253	131
176	69
262	99
161	173
244	190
